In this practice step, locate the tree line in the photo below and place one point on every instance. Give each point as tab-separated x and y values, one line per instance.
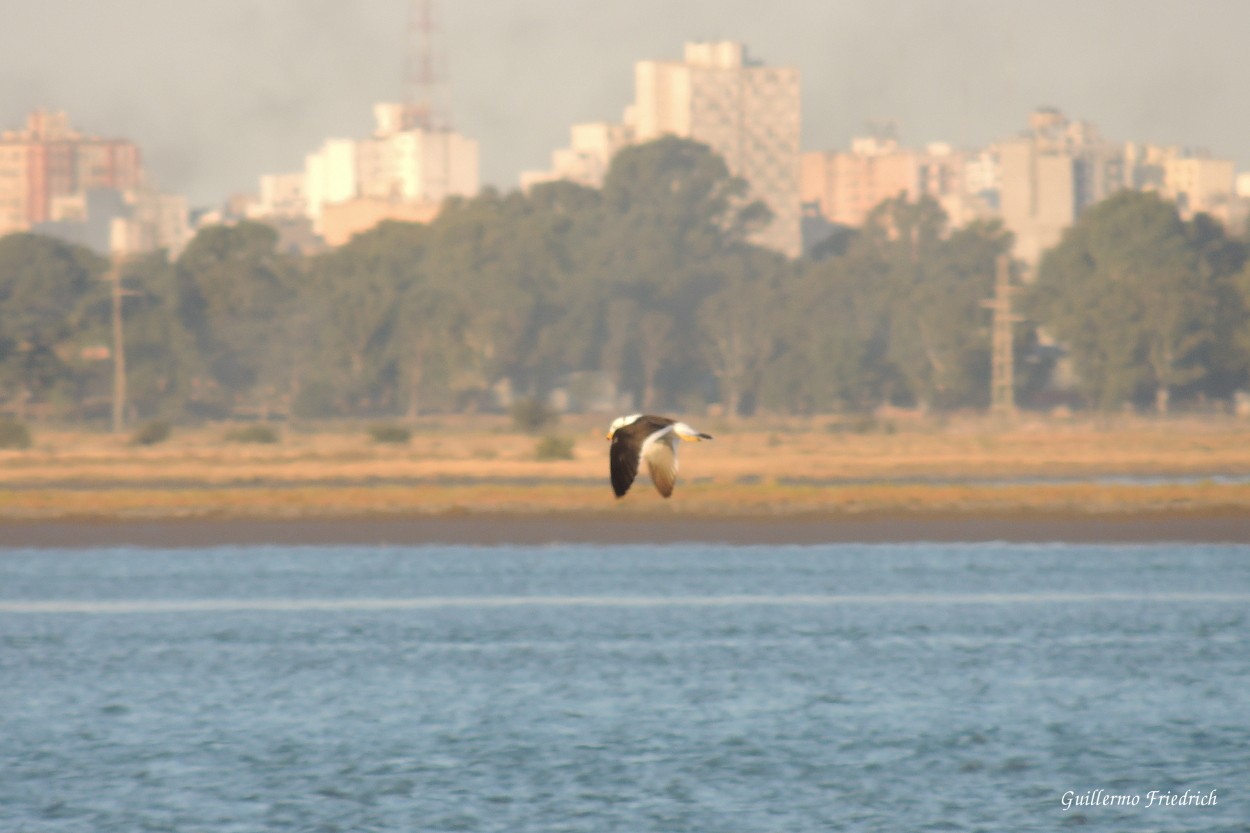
649	282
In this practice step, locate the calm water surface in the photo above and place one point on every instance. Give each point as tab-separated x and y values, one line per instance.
686	688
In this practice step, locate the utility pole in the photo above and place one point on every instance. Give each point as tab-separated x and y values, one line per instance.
1002	353
119	343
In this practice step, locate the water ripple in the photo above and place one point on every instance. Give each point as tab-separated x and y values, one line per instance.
621	689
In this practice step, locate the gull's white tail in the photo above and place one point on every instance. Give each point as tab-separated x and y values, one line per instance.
687	432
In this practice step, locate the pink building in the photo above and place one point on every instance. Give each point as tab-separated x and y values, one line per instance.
48	160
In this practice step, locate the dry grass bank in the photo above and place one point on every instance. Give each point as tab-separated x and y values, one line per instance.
757	467
486	448
702	499
753	468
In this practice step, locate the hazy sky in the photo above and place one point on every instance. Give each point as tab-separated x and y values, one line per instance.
217	92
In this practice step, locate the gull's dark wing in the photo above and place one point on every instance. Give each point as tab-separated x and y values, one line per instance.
623	456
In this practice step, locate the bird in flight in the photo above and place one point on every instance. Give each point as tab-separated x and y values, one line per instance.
645	437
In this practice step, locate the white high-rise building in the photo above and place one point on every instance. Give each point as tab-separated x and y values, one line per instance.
329	177
748	113
398	168
415	164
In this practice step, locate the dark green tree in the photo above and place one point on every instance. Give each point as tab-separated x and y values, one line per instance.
1134	292
354	298
234	291
673	221
938	342
562	225
159	350
46	291
741	324
833	335
1222	259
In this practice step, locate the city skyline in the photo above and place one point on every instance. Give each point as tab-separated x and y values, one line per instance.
218	94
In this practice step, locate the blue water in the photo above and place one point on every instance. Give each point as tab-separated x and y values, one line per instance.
686	688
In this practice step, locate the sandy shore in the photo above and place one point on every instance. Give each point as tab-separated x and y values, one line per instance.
605	528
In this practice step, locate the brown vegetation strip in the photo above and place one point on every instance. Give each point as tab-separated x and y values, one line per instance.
795	451
780	481
501	528
693	499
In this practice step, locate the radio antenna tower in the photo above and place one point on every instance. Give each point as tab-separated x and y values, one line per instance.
425	105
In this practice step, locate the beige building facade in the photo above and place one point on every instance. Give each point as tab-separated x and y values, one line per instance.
1200	184
153	220
846	186
341	221
749	113
1037	198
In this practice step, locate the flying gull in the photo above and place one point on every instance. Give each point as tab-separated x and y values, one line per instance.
646	437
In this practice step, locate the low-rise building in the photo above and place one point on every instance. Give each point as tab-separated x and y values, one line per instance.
399	172
587	158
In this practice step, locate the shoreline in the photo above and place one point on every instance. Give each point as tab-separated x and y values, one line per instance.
532	529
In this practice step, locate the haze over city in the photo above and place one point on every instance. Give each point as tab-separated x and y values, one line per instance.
217	94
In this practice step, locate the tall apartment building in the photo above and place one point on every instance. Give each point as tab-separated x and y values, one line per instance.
1037	197
747	112
1049	174
49	160
330	176
415	164
85	190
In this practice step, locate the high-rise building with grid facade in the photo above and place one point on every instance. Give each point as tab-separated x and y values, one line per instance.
748	113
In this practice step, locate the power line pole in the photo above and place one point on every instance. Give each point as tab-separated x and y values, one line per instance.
1002	352
114	277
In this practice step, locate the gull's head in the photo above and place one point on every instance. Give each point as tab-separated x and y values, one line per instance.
619	423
